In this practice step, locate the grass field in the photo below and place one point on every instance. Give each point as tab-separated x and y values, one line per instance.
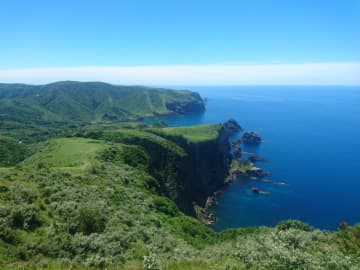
193	133
75	153
133	136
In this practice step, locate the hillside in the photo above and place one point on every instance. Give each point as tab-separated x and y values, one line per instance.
70	104
114	197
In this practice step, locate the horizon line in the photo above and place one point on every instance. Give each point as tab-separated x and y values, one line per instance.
188	85
274	74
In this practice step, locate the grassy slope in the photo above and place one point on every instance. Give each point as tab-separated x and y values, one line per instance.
193	134
133	136
92	203
76	153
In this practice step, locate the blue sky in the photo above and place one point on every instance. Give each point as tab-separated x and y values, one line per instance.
82	33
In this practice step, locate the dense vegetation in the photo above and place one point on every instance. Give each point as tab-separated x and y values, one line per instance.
119	196
12	152
94	203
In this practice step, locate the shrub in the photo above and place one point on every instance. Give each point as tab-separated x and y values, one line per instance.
6	233
133	156
24	217
349	239
165	206
192	231
289	249
91	220
12	152
3	189
74	215
293	224
151	262
20	194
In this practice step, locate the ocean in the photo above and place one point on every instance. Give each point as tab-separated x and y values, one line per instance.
312	142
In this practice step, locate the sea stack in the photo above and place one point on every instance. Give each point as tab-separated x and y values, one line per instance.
251	137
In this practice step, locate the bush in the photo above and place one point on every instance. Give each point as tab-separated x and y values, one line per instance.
91	220
165	206
151	262
3	189
192	231
133	156
12	152
349	239
18	217
75	217
293	224
24	217
20	194
6	233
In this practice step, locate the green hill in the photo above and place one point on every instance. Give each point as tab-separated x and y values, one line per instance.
67	104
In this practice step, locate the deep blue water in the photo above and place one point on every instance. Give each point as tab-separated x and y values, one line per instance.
312	141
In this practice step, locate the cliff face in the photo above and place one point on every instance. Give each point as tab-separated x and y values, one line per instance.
202	173
203	169
187	171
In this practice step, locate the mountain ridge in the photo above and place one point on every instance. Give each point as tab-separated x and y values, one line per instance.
93	102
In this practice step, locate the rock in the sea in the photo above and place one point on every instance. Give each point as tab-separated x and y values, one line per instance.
281	183
252	172
256	190
256	172
251	137
237	151
254	158
232	126
267	181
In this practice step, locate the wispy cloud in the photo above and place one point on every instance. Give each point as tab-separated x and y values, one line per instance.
334	73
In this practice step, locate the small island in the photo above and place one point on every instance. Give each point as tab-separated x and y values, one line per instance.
245	168
251	138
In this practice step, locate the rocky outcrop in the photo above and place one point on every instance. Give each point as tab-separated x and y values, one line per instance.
257	172
232	126
251	137
258	191
255	158
251	172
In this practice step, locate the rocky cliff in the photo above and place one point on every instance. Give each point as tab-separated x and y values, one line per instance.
188	163
204	168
